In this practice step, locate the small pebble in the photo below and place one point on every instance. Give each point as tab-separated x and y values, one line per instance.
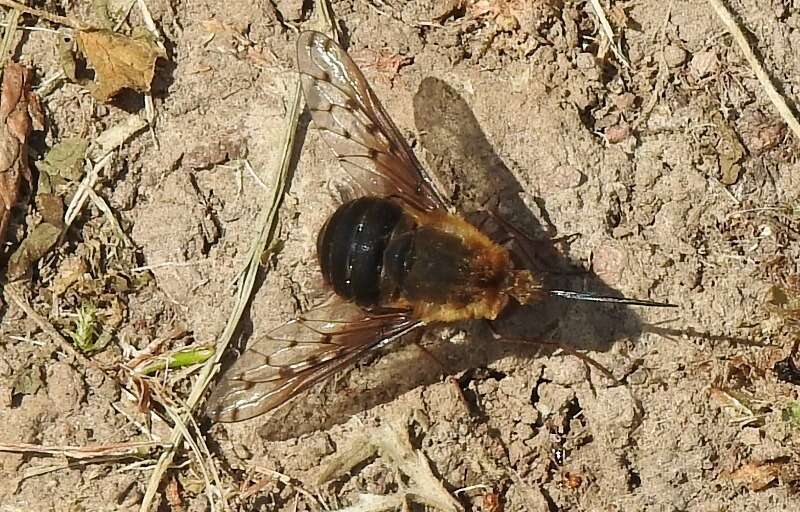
567	176
750	436
704	64
585	60
675	56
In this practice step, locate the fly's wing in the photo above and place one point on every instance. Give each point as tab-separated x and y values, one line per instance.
344	108
300	353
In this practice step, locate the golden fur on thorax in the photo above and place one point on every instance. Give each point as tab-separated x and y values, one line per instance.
488	258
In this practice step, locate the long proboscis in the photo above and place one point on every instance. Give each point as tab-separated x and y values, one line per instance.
591	297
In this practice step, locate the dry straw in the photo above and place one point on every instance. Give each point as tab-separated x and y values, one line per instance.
758	68
267	222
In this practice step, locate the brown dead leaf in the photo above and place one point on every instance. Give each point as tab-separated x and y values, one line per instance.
51	208
758	475
71	270
20	112
38	243
216	27
41	239
730	151
119	61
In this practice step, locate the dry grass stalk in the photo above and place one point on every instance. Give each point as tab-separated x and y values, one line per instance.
267	222
392	442
61	20
758	68
607	31
84	452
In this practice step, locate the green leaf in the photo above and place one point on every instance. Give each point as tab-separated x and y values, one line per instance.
184	357
791	414
85	335
65	159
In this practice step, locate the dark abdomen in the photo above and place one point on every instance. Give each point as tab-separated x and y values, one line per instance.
351	245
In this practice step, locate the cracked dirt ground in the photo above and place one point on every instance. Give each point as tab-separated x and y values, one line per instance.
674	174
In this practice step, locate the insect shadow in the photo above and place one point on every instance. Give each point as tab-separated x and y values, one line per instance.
461	157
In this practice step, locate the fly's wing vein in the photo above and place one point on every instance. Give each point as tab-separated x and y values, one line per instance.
291	358
357	128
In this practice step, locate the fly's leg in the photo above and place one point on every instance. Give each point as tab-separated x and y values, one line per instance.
530	249
553	343
526	248
446	370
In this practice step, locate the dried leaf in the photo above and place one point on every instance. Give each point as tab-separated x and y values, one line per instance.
36	244
29	380
20	112
51	208
730	151
41	239
69	273
65	159
744	409
758	475
119	61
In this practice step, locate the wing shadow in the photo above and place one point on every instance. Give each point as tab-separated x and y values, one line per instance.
479	179
476	178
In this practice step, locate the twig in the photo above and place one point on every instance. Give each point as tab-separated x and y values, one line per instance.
758	68
55	18
43	470
48	85
101	153
34	28
392	442
149	106
605	27
101	205
287	480
267	222
181	427
125	14
8	37
82	452
658	88
252	173
13	294
79	199
165	264
149	23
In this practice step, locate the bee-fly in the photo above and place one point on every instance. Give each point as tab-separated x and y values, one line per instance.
393	254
